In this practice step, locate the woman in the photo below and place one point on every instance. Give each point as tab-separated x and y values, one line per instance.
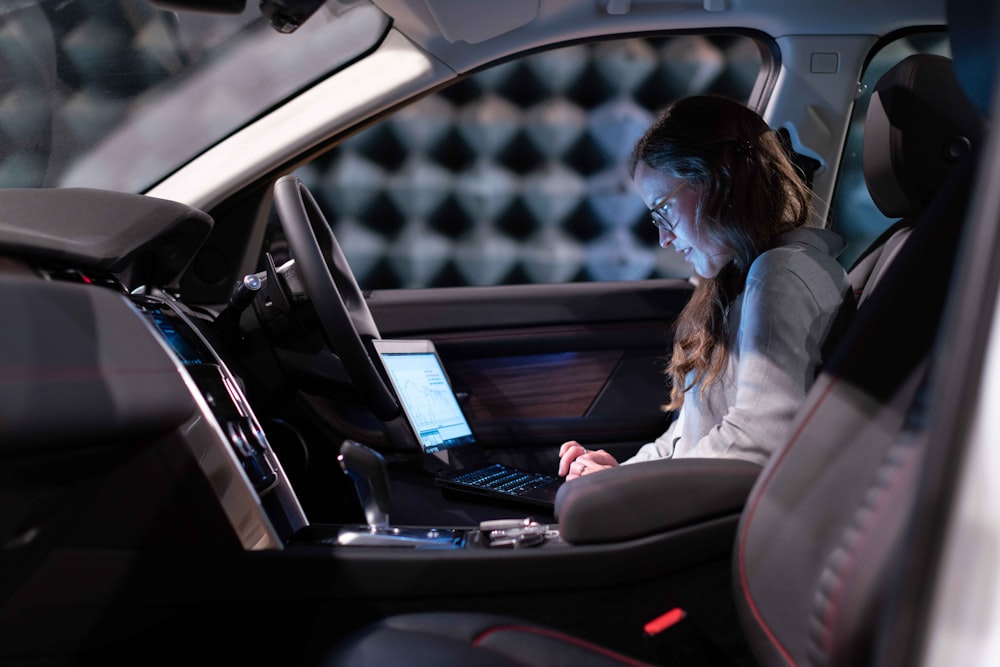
722	191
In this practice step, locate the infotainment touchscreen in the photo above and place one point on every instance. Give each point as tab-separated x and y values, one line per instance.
184	346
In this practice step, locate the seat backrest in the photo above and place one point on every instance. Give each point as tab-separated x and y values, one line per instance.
805	568
917	129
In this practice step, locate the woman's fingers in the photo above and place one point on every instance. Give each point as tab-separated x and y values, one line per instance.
575	460
602	458
585	465
568	453
563	448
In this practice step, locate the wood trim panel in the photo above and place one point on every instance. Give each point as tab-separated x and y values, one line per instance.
541	386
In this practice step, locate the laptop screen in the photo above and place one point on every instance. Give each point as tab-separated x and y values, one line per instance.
425	394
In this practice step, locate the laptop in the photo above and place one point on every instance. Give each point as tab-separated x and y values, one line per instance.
436	420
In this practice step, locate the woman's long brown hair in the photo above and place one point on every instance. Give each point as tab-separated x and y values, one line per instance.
750	194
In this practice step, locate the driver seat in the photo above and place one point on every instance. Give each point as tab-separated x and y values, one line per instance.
910	148
858	439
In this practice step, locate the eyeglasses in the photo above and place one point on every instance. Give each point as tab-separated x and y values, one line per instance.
660	213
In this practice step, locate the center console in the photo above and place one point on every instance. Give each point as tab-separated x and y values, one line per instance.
367	468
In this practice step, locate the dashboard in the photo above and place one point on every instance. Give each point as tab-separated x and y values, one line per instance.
104	375
218	387
91	369
237	431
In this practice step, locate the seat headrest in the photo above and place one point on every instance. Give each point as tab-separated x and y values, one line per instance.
920	124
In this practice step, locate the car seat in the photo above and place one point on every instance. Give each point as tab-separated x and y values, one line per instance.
813	553
907	156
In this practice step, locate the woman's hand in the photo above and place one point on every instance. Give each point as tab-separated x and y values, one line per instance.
576	461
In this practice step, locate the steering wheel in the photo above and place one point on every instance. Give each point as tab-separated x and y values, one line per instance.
344	317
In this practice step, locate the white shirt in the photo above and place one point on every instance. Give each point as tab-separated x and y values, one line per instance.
777	326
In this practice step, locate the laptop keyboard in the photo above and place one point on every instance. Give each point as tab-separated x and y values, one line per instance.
505	480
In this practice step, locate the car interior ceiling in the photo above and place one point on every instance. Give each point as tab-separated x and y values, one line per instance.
859	437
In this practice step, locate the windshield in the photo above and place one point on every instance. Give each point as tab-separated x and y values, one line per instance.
118	94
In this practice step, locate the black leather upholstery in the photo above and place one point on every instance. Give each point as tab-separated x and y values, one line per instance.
814	547
483	640
918	127
652	497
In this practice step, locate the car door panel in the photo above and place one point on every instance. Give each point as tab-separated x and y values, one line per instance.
538	364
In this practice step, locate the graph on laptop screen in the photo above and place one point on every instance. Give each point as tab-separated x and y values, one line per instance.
428	400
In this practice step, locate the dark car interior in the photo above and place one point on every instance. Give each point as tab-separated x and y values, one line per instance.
185	480
859	436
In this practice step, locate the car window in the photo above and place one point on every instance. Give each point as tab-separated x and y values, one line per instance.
97	94
517	174
853	213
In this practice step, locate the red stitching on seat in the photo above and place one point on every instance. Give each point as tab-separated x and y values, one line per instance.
868	513
744	585
552	634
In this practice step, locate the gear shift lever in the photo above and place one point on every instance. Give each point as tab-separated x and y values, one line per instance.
367	468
